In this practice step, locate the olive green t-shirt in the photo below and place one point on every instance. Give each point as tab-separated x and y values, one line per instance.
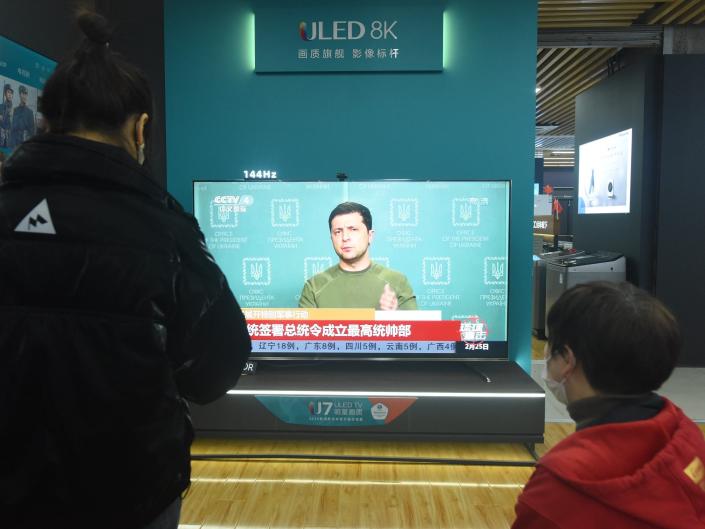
336	288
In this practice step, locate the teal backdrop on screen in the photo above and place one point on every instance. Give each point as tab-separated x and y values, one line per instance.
473	120
450	239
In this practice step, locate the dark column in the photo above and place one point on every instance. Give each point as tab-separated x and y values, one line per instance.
681	221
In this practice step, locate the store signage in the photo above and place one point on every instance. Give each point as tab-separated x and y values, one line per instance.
544	224
351	39
336	411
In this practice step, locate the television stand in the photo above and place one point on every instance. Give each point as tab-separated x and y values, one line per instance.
380	400
472	366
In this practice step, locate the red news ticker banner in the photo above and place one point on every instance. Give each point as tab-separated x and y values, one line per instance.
356	330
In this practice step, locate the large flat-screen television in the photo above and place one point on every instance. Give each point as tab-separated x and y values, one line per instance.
449	240
605	174
23	73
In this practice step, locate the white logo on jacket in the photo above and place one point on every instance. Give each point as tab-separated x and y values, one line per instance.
38	220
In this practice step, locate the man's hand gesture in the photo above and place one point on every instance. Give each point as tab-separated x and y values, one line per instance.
388	300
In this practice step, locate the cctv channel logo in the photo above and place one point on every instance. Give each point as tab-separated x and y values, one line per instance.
225	210
223	216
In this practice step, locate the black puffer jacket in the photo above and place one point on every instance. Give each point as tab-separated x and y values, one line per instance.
111	311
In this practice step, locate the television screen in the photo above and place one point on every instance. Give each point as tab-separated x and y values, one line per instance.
604	174
439	250
23	73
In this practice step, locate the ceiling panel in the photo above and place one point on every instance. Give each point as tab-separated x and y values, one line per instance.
563	73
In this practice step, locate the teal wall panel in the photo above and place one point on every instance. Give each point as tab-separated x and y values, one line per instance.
474	120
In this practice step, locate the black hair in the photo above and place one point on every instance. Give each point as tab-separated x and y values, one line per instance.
625	340
96	89
351	207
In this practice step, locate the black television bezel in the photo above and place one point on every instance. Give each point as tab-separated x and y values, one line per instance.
406	357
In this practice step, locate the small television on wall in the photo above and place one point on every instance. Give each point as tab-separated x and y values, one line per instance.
23	73
604	174
448	239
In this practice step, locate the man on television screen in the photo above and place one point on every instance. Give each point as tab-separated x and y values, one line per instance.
23	126
6	115
356	281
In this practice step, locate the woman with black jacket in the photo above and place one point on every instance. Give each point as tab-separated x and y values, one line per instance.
112	311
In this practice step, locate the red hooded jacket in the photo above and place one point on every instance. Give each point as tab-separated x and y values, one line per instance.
632	475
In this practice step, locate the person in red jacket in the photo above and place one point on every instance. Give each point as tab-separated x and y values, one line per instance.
635	461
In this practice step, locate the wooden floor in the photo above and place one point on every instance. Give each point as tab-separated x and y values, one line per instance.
282	494
276	494
310	494
537	348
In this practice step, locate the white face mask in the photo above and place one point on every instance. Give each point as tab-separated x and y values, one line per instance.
557	388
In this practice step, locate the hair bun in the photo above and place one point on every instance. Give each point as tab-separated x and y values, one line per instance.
94	26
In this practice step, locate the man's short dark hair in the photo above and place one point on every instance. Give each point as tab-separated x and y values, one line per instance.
625	340
23	89
351	207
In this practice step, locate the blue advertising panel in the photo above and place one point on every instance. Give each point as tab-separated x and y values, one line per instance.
336	412
23	74
349	39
